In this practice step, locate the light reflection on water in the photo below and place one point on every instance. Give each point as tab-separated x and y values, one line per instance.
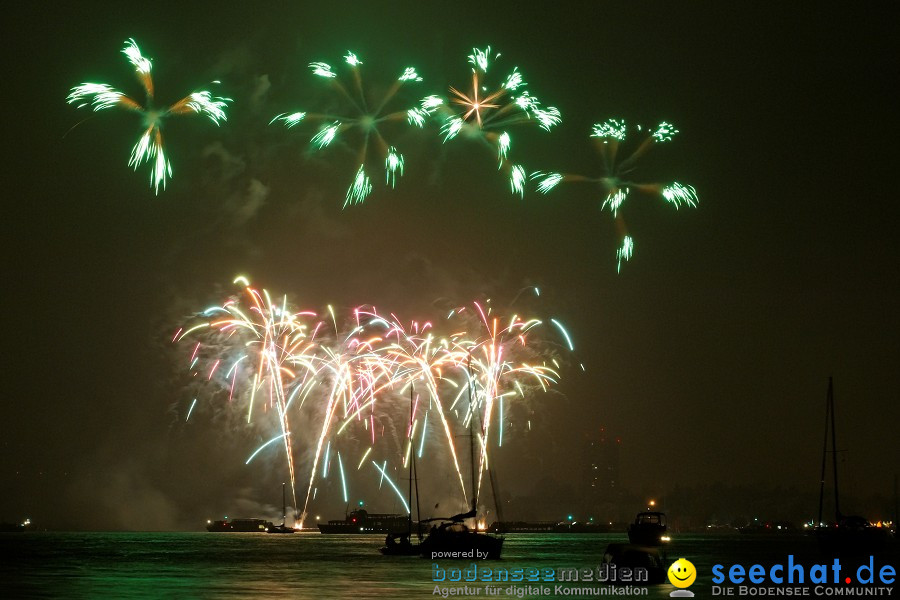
242	565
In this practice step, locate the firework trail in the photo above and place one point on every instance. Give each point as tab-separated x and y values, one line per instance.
269	338
615	180
368	119
281	358
500	362
356	378
486	111
416	355
149	147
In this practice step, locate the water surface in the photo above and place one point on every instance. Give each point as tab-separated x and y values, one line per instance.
311	565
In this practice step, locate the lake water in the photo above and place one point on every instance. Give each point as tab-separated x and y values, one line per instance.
311	565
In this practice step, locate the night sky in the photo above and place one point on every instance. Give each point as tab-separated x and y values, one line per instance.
709	355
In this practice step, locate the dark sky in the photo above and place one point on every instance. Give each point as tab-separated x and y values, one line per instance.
708	355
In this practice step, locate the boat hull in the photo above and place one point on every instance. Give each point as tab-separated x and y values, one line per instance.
276	529
401	549
239	526
648	529
360	521
646	537
634	556
468	544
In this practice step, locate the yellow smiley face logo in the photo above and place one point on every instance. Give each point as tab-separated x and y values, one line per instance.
682	573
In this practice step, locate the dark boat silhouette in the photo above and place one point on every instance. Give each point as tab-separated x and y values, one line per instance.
783	528
362	521
457	540
848	534
400	544
634	556
239	526
548	527
283	528
451	537
648	529
14	527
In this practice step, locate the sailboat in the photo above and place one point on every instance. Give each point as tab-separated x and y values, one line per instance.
848	534
400	544
283	528
452	535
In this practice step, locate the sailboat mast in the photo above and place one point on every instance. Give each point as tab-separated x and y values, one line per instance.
416	478
283	507
837	508
824	454
411	455
497	506
471	432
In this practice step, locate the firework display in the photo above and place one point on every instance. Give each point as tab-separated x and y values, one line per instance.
329	379
321	381
149	147
343	395
615	180
365	118
483	110
487	112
